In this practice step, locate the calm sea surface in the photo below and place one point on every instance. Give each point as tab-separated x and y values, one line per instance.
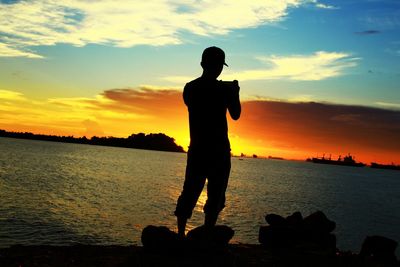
63	194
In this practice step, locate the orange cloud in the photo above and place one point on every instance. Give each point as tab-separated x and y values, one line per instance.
121	112
287	129
370	133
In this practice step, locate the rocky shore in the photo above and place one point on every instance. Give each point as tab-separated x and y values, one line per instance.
291	241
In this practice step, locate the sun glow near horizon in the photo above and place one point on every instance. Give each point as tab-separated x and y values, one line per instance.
316	76
292	130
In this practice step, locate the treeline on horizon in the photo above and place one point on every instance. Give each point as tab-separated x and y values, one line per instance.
152	141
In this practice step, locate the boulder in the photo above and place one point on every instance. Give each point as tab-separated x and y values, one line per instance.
317	223
325	242
379	248
275	220
295	220
275	236
159	238
219	235
310	233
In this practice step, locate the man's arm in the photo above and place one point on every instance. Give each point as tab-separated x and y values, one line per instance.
186	95
234	106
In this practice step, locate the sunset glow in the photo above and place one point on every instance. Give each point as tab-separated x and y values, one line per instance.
316	77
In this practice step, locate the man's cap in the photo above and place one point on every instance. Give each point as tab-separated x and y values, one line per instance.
213	54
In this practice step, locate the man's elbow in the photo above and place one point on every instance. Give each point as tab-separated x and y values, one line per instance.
235	118
235	115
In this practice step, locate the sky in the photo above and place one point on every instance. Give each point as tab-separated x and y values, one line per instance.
316	76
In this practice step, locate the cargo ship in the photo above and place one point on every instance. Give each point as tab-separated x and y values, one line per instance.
385	166
348	160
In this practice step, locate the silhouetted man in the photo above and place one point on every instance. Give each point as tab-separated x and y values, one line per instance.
208	157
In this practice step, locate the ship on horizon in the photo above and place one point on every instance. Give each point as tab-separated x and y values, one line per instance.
385	166
348	160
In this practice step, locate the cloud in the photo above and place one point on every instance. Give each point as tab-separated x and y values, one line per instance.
322	6
289	129
394	48
388	105
122	23
92	128
368	32
143	104
11	95
178	79
323	128
318	66
144	100
7	51
117	112
382	18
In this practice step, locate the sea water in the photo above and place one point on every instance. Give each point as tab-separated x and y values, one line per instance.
63	194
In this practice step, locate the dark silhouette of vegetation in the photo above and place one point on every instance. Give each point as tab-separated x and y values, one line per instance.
151	141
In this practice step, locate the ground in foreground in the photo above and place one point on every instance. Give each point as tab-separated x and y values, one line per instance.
234	255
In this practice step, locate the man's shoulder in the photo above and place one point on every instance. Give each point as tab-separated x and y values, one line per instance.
194	83
192	86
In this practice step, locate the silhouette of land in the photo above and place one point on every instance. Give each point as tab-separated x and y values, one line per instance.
158	141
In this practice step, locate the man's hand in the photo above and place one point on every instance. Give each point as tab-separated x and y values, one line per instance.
234	104
236	87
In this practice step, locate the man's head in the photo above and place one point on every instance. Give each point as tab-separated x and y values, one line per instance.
213	56
213	61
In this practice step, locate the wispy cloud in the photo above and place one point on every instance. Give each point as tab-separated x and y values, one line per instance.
394	48
368	32
8	51
387	20
11	95
388	105
322	6
318	66
128	23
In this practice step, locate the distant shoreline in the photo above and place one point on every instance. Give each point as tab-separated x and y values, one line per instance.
152	141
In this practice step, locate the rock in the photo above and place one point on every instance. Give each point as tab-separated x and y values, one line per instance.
274	236
219	235
275	220
310	234
295	220
318	223
379	248
325	242
159	237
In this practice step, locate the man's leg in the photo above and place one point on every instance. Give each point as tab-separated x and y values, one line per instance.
216	188
181	225
192	187
210	219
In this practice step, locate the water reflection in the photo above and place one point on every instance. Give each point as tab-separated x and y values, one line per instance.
54	193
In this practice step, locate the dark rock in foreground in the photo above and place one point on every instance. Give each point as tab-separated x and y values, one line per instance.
379	249
313	233
318	223
275	220
220	235
161	238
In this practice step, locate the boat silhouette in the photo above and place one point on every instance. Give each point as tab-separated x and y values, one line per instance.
385	166
348	160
